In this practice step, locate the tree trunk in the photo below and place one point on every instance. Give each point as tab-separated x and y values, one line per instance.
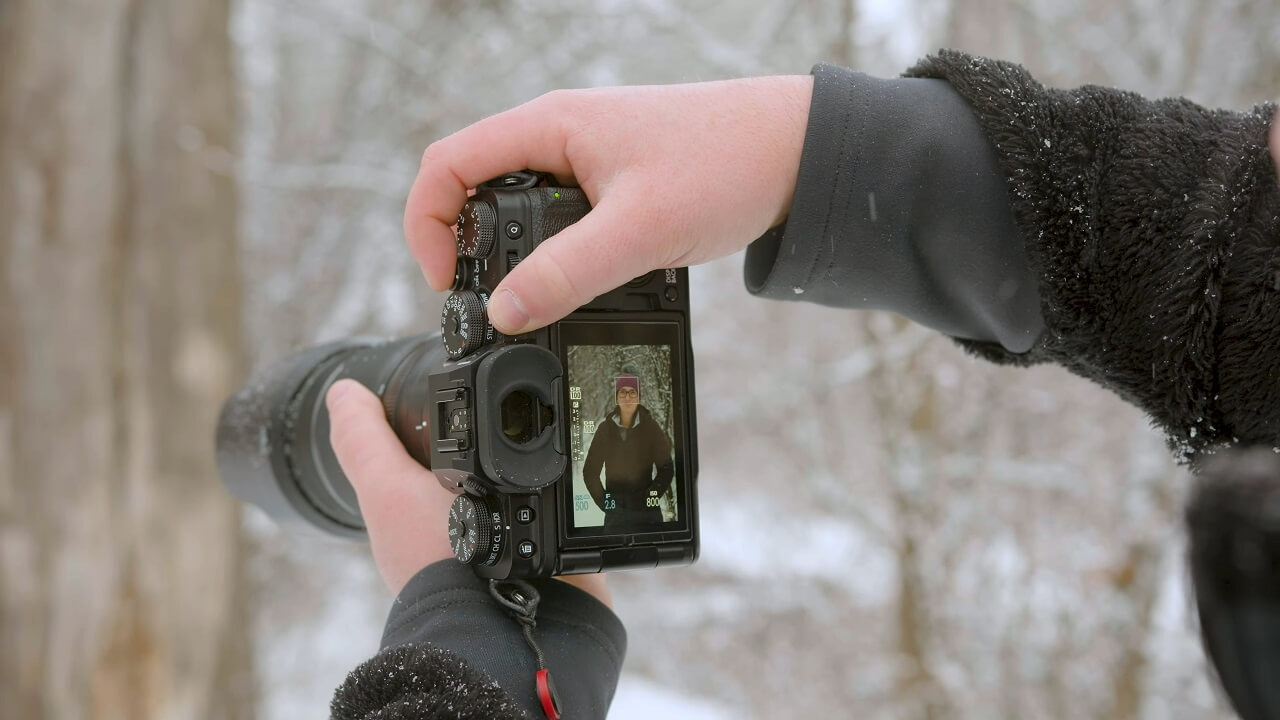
121	560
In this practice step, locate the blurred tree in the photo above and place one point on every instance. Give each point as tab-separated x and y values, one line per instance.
121	581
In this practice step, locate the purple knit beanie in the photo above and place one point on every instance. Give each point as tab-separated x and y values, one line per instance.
623	381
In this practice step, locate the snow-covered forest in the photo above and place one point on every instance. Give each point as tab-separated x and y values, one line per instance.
890	528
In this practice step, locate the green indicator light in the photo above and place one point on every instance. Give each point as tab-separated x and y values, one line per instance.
556	194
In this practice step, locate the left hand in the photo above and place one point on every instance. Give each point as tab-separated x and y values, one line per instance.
404	507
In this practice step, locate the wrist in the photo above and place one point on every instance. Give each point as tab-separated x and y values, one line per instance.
792	97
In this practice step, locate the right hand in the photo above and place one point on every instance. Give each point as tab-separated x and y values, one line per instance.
676	175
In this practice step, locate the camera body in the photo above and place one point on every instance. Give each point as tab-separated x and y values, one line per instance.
572	449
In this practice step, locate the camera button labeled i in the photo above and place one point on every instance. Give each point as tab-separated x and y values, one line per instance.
526	549
524	514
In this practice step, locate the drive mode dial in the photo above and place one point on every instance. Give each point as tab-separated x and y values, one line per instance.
476	225
463	323
471	532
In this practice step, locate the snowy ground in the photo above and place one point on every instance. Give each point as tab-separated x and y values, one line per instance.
641	699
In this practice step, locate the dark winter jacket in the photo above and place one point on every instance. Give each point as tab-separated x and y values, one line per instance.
1135	242
446	616
629	457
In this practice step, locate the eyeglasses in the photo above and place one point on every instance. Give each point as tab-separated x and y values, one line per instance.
628	392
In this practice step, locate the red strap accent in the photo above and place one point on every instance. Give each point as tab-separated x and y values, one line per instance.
547	694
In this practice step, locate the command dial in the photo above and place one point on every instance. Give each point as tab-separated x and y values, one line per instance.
476	226
463	323
471	531
465	271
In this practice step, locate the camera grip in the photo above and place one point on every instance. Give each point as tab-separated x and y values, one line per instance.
556	208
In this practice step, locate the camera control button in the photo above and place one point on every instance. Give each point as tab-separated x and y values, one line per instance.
471	529
462	322
526	549
524	515
476	224
672	294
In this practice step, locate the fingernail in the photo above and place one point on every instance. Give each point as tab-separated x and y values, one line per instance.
336	393
506	313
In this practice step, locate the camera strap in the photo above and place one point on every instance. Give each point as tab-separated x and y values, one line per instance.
521	601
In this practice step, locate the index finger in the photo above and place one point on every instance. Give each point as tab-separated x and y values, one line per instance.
531	136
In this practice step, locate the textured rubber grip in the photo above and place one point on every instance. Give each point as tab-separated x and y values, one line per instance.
555	209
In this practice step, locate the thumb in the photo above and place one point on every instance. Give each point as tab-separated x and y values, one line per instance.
369	452
402	504
598	253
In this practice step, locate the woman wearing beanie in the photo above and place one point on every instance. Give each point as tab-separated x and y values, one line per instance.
635	454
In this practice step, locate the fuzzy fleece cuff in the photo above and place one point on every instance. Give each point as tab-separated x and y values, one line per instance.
1154	229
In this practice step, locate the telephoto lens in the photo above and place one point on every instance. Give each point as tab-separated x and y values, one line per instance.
273	435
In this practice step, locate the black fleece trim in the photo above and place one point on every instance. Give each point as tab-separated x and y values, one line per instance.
414	682
900	205
1154	229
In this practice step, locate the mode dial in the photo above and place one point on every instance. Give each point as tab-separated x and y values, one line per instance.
476	225
471	531
463	323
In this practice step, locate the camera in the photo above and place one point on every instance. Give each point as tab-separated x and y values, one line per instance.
571	449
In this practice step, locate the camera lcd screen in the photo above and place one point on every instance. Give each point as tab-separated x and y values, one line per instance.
625	430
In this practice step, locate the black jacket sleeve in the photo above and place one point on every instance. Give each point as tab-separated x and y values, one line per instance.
1135	242
900	205
445	608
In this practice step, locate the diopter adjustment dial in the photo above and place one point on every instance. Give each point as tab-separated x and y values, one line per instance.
471	530
477	224
463	323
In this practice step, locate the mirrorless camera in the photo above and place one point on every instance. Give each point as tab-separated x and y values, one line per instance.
571	449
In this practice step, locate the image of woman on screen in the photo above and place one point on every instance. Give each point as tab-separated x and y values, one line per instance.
635	454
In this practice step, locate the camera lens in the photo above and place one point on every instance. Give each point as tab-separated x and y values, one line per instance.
273	436
524	417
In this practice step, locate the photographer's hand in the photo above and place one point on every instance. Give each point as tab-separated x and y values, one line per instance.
402	503
676	175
